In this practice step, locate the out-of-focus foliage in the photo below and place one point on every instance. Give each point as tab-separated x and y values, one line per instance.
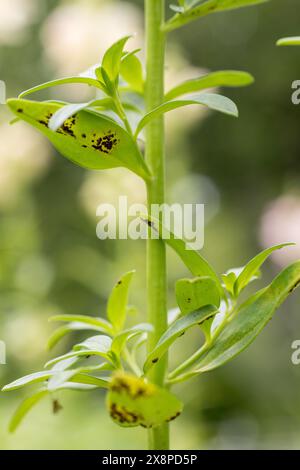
246	171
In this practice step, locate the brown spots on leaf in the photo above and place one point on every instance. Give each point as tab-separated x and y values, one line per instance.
20	110
155	360
56	407
84	146
43	122
133	387
83	136
188	300
173	417
105	143
294	286
123	415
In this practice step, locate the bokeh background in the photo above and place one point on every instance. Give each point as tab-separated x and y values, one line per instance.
246	171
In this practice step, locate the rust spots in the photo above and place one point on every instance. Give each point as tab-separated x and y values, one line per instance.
122	415
294	286
181	334
46	119
119	283
56	407
105	143
83	136
173	417
188	300
84	146
134	388
154	361
20	110
206	319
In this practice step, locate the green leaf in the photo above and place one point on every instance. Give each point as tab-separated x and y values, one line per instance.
117	302
24	408
112	58
250	320
229	281
28	380
65	112
211	100
100	323
58	380
132	72
177	329
205	8
228	78
132	401
197	265
191	294
62	81
88	139
121	339
293	41
58	334
253	266
95	346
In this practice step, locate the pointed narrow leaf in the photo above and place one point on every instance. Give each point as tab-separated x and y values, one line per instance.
132	72
88	139
205	8
24	408
28	380
132	402
117	302
293	41
253	266
211	100
94	321
121	339
58	334
62	81
191	294
250	320
228	78
176	330
112	58
197	265
66	112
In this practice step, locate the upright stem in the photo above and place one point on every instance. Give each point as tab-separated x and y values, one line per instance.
156	255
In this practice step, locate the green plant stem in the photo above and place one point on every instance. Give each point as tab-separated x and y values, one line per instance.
156	254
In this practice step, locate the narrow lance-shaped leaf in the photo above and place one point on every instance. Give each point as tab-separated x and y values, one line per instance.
211	100
58	334
133	402
30	379
251	318
228	78
24	408
62	81
197	265
176	330
253	266
121	339
132	72
117	302
205	8
293	41
112	58
191	294
88	139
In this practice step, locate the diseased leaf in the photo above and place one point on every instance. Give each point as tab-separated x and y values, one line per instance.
112	58
132	402
197	265
62	81
249	321
228	78
24	408
293	41
211	100
205	8
191	294
253	266
88	139
176	330
117	302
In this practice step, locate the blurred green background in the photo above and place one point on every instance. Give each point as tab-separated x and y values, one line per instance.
246	171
